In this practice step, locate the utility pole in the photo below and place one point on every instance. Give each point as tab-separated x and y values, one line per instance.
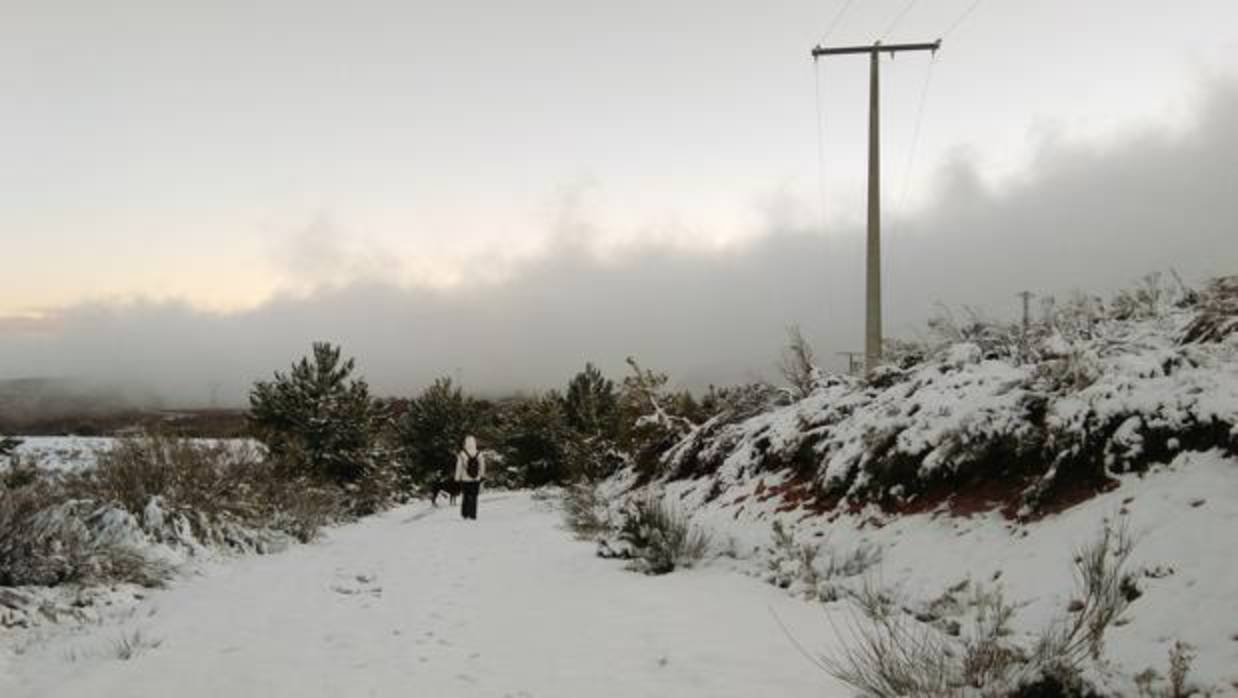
854	364
872	314
1027	319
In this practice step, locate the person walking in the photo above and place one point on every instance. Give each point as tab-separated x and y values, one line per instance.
470	471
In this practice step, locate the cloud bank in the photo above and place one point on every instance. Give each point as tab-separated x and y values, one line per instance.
1082	217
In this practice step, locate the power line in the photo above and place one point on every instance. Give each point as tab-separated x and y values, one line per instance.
962	18
820	142
834	22
915	134
831	284
896	225
899	18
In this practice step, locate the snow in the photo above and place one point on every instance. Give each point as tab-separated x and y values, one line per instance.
418	602
1184	517
80	452
64	452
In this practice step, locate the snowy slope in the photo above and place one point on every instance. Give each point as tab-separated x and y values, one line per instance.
418	602
1184	517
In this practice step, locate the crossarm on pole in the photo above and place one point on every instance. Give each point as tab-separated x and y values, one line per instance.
875	48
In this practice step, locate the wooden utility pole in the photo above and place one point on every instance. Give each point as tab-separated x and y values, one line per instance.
872	314
1027	319
854	364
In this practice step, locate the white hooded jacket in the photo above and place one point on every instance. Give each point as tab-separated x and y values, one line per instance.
462	461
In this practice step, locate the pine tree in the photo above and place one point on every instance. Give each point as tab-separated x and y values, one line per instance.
317	420
538	442
432	431
591	402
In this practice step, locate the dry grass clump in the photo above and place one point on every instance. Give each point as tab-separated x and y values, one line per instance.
103	524
1217	317
891	655
216	488
584	511
660	537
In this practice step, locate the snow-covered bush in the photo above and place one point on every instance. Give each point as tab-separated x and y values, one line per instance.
659	537
585	512
431	431
651	418
185	492
1102	389
815	569
538	443
1216	318
798	365
148	503
319	421
47	540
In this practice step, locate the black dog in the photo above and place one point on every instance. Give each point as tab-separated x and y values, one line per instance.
451	488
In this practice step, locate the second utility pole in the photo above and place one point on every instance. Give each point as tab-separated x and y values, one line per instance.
872	314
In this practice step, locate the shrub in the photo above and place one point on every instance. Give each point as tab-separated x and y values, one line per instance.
7	445
211	487
1217	316
584	511
21	471
431	431
101	524
45	540
132	644
1105	591
25	557
659	537
811	568
888	657
731	404
317	419
1150	683
798	365
210	478
651	418
591	404
538	443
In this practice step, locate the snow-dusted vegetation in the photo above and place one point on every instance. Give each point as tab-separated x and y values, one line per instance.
1002	511
1092	390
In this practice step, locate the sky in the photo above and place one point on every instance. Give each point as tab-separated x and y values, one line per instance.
194	191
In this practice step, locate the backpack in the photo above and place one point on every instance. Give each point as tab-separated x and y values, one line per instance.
472	467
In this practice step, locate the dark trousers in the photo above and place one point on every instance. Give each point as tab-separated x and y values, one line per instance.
468	499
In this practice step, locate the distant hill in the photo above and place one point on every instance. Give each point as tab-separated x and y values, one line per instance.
63	406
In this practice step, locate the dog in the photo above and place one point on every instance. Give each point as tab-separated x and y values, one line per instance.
451	488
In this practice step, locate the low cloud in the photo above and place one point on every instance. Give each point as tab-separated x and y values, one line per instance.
1083	217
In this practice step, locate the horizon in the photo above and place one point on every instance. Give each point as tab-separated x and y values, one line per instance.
202	217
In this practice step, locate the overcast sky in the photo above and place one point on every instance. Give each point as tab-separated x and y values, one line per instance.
191	192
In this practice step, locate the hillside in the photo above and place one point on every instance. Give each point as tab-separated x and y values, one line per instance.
974	478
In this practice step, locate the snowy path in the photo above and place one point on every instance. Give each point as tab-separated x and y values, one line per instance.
417	602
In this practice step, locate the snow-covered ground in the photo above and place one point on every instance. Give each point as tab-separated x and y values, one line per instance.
1183	517
417	602
78	452
64	452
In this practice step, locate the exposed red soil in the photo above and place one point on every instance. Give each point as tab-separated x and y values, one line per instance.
1003	495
